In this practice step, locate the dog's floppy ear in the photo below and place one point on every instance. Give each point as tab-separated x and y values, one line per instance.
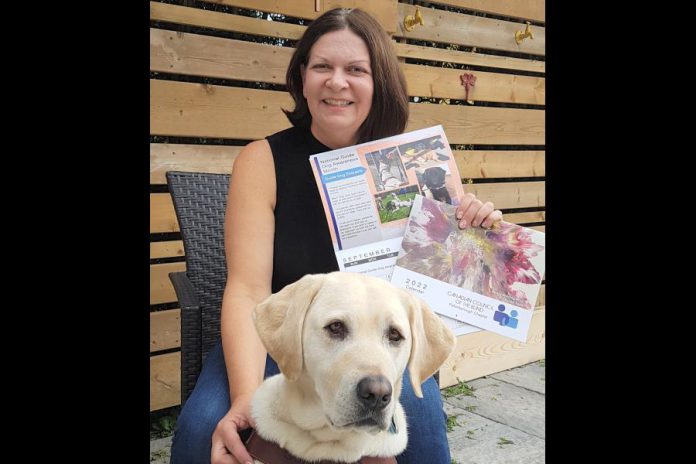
279	320
431	342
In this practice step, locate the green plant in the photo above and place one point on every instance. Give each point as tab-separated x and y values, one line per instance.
162	427
452	423
505	441
460	389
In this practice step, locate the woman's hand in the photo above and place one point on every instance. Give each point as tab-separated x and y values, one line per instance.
227	447
472	212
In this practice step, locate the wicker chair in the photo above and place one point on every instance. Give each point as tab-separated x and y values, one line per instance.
199	202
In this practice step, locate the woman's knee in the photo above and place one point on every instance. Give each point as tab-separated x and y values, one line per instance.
427	429
208	403
194	430
430	404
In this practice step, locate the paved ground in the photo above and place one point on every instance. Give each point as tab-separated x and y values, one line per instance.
503	422
500	421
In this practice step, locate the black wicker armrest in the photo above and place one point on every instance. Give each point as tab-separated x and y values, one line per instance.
184	290
190	332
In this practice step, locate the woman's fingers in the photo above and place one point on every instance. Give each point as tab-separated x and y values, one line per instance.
482	213
238	450
470	206
465	203
219	454
227	446
472	212
492	219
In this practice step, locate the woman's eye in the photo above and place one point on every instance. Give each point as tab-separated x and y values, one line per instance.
395	335
320	66
337	329
357	70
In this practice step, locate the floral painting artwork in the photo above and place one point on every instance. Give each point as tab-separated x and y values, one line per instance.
502	263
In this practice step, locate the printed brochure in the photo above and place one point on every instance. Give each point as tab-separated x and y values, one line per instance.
368	190
486	278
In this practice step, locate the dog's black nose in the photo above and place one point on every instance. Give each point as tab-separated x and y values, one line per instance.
374	391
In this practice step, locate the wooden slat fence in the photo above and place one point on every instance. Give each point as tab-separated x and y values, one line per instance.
214	88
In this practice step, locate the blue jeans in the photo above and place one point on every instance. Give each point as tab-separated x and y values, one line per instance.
210	400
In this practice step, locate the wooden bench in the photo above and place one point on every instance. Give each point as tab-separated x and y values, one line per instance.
214	88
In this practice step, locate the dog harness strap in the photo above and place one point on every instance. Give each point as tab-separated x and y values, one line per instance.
268	452
373	460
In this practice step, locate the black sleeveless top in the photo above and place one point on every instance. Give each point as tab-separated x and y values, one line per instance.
302	243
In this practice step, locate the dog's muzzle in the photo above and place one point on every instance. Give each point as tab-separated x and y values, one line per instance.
374	392
369	410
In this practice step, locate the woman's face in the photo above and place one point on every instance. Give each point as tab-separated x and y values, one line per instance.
337	83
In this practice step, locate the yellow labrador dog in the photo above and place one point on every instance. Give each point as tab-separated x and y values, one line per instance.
342	342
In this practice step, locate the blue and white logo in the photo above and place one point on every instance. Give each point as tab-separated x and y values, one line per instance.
502	318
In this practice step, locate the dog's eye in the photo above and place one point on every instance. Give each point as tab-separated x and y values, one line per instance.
394	335
337	329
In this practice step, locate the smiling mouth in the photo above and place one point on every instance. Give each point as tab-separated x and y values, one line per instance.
339	103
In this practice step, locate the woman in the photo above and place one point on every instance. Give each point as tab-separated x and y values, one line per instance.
348	88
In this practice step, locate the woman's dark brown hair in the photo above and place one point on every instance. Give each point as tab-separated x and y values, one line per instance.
389	112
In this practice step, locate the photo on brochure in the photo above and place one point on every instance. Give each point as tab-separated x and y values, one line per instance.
396	204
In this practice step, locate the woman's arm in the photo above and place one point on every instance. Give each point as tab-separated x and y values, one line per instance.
249	232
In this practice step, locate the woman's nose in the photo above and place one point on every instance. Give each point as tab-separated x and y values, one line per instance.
337	80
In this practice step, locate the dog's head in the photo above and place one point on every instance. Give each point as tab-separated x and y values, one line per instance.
434	177
350	337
